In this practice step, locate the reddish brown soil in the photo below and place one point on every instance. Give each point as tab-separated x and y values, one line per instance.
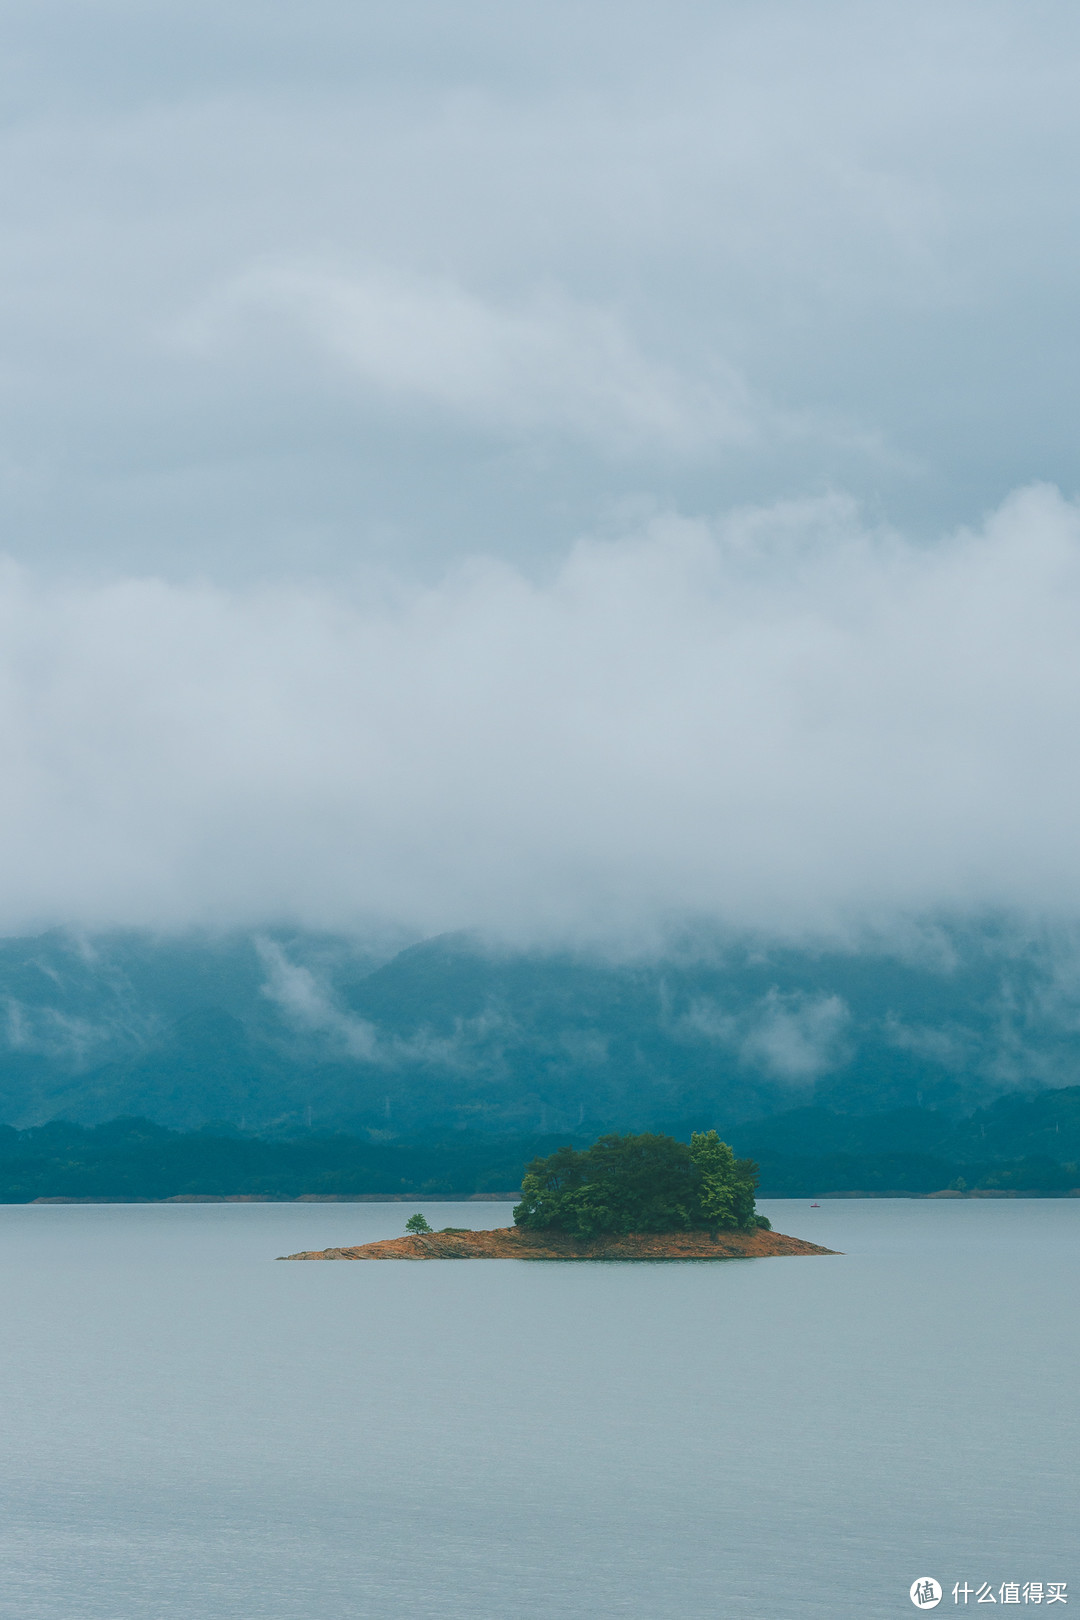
511	1243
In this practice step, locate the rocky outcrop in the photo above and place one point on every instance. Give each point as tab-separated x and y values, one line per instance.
513	1243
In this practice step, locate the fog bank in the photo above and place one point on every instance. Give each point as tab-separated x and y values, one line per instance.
784	719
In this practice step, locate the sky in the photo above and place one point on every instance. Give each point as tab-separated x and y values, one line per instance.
550	469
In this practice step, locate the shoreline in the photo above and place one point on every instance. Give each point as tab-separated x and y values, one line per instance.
301	1198
515	1243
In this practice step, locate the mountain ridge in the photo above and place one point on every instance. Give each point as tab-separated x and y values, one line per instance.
285	1031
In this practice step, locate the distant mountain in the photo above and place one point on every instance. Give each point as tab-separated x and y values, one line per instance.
282	1033
1044	1125
1029	1143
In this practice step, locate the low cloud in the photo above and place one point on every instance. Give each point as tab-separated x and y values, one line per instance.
792	1036
46	1031
785	719
309	1005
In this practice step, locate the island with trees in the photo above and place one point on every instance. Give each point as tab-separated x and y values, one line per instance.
631	1197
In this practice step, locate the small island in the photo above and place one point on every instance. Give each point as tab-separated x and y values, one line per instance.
645	1197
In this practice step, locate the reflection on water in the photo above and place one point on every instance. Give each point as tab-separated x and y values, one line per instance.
190	1430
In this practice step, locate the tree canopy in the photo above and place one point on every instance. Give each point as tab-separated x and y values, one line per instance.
645	1183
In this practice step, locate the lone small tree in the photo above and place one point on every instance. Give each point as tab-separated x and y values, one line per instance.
417	1223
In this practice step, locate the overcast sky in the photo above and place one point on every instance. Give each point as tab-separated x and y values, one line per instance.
539	467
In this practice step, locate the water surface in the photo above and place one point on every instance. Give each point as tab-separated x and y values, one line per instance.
191	1430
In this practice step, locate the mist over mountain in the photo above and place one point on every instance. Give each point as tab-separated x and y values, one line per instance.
288	1032
463	469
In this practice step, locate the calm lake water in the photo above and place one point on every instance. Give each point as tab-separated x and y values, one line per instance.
189	1430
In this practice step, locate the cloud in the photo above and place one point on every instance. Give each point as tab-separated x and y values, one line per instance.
548	364
282	293
309	1004
296	990
48	1031
784	718
793	1036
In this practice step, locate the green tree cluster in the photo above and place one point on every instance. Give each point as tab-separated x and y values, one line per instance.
641	1183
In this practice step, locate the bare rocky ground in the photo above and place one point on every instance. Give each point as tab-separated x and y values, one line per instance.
512	1243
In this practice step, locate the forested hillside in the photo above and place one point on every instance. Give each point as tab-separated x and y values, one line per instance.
1019	1144
291	1033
